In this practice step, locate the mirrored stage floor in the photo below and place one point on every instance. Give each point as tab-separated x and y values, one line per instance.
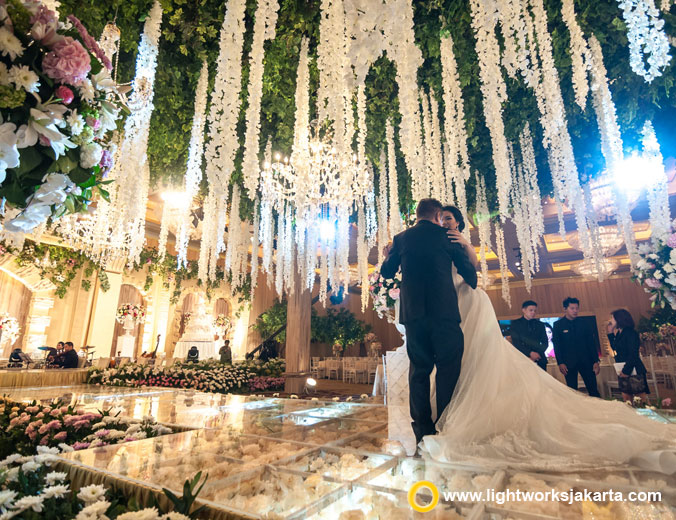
292	458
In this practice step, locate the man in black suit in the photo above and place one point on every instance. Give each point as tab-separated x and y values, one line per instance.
69	358
429	309
529	335
575	349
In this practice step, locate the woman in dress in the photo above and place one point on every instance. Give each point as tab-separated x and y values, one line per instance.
625	341
506	411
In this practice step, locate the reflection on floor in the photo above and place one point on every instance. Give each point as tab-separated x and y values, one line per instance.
288	458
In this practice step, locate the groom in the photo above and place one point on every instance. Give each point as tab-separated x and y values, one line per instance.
429	309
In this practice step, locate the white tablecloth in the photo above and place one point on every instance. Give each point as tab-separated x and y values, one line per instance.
207	349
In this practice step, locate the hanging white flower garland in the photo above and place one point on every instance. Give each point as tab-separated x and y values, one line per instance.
494	92
578	52
658	188
647	39
264	29
222	144
193	172
502	259
483	222
456	158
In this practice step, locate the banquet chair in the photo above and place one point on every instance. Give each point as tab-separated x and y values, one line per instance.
373	369
361	371
665	370
103	362
349	370
332	366
652	380
316	369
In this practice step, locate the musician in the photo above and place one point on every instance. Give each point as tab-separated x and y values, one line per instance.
69	358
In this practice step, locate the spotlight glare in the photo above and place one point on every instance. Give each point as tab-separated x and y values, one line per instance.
327	229
311	382
636	172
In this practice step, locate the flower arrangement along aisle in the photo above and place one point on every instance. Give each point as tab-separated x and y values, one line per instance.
31	489
656	270
24	427
9	328
207	376
136	312
385	293
58	110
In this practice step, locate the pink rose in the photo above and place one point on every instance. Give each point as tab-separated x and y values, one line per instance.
61	436
68	62
65	94
94	123
671	241
44	440
55	412
653	283
394	294
667	401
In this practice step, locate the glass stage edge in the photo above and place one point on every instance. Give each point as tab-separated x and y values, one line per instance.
293	459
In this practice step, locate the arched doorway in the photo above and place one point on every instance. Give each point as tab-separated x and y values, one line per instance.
15	300
128	294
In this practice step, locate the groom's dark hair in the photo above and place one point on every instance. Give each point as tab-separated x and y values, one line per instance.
528	303
427	208
570	300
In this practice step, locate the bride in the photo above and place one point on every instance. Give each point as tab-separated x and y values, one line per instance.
507	411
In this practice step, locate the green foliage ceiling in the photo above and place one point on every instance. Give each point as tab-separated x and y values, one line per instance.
191	30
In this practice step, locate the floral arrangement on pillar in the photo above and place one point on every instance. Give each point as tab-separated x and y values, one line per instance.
136	312
656	269
385	294
9	328
59	109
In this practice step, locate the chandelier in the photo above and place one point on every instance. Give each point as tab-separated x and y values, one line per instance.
319	176
596	270
603	199
609	240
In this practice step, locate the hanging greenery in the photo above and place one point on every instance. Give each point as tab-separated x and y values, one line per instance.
190	34
61	265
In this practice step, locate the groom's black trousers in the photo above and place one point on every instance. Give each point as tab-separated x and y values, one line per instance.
430	342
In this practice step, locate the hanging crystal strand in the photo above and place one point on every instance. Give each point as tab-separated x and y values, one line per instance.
494	93
456	154
164	232
362	258
658	189
288	250
531	195
207	240
254	246
281	244
484	227
193	174
428	152
502	258
578	52
395	222
234	229
383	221
611	143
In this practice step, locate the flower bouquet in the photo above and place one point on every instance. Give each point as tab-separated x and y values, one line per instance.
136	312
58	110
656	270
187	317
385	294
9	328
222	322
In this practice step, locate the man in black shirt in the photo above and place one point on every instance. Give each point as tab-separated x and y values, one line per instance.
529	335
69	358
575	349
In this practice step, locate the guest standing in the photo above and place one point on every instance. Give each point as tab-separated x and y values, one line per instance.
69	358
225	353
625	341
529	335
575	349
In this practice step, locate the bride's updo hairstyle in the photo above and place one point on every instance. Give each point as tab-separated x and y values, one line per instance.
456	215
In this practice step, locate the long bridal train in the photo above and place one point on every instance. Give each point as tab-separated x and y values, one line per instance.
508	411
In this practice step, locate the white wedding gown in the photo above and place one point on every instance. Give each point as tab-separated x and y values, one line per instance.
507	411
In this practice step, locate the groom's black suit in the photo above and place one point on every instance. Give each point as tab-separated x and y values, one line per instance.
429	310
